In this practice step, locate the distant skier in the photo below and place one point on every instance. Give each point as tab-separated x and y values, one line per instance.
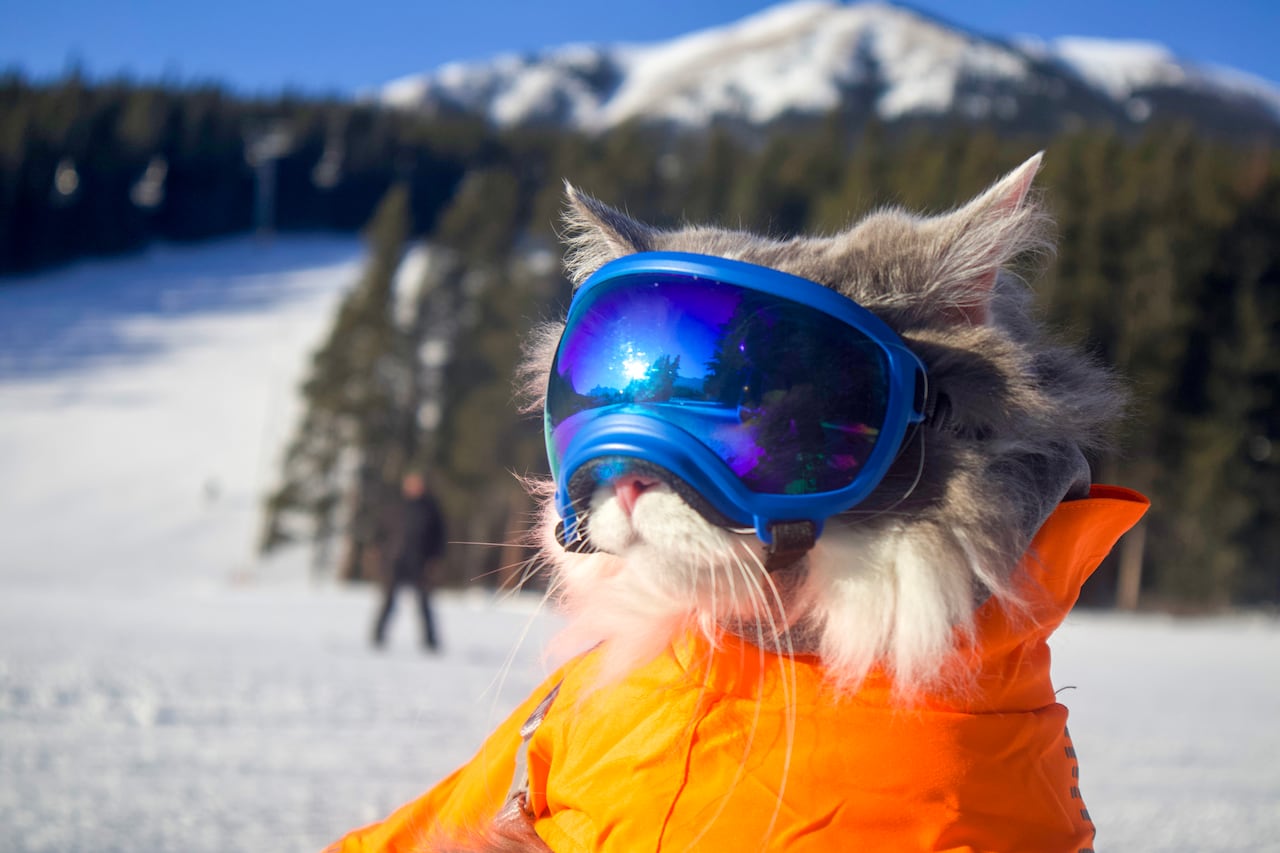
411	538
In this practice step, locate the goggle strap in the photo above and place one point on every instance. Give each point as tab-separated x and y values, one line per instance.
791	541
935	409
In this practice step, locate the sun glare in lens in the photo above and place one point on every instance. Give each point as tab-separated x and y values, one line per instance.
635	368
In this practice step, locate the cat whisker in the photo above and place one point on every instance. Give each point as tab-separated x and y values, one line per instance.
858	516
513	543
529	569
790	686
582	503
740	567
500	678
889	511
526	569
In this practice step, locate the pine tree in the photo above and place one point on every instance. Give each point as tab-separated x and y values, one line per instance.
1227	519
1167	269
482	441
352	444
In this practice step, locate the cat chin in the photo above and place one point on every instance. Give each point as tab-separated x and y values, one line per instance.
659	571
896	598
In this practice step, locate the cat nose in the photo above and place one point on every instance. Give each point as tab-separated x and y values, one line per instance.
629	487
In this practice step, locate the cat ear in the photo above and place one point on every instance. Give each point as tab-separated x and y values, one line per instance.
596	234
979	238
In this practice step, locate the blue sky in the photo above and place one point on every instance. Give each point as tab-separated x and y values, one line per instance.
342	46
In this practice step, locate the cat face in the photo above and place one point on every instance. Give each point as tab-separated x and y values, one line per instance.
893	583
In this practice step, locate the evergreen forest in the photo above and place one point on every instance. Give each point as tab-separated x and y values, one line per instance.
1168	268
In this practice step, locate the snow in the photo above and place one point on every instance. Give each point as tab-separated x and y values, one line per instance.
1120	67
1174	722
161	689
799	57
721	70
925	63
794	57
145	402
253	717
1123	67
803	57
1242	84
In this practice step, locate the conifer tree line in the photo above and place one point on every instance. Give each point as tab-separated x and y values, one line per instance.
92	169
1168	268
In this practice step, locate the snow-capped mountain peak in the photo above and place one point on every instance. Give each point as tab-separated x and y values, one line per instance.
1120	67
810	57
1125	68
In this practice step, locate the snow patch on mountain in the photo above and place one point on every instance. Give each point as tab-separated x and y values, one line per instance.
800	57
1120	68
756	67
811	57
1126	68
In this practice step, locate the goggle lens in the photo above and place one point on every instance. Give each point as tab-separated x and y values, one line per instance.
791	398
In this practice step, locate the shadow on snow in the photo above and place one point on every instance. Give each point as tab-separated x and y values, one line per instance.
66	320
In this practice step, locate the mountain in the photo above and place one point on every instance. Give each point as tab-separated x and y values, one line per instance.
810	57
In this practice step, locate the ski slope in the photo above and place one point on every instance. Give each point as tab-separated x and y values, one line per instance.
163	690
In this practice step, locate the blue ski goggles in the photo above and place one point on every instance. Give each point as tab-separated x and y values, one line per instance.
772	397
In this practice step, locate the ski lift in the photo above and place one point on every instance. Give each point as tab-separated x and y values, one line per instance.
328	170
148	191
262	148
267	145
66	181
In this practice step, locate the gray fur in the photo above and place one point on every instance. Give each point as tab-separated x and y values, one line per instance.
1023	409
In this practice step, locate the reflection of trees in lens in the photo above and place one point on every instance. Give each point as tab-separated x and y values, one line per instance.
563	400
602	395
810	391
746	341
786	427
658	386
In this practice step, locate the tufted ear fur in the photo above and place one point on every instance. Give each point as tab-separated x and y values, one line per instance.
596	234
976	240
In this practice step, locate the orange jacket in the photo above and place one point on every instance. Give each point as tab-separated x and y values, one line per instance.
690	751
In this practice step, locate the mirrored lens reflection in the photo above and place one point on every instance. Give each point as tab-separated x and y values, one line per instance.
791	398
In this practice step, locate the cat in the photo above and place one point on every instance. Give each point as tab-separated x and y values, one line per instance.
893	672
894	582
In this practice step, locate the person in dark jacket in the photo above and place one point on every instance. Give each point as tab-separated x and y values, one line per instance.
412	541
